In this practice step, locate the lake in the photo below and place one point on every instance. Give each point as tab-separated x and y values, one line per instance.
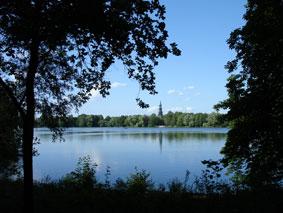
164	152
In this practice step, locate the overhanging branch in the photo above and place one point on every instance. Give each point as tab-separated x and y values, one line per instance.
12	97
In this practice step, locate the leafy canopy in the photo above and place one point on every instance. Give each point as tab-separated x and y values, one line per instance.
255	105
78	40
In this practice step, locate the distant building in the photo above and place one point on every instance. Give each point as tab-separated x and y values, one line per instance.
160	113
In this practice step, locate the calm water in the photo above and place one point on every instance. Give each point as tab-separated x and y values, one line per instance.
165	152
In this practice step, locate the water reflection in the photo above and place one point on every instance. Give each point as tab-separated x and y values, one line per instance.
160	137
175	136
170	137
165	152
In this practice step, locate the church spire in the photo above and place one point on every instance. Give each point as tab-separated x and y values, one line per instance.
160	113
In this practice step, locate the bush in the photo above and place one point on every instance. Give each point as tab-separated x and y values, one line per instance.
175	185
139	181
84	174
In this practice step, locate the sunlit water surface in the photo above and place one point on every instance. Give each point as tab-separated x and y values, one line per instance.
164	152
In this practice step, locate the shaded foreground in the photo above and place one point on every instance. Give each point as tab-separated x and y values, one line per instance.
80	191
58	198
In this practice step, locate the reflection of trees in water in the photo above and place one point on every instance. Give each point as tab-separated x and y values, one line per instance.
152	136
171	137
160	136
78	137
181	136
176	136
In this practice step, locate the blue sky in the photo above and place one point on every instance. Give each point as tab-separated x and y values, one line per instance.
192	82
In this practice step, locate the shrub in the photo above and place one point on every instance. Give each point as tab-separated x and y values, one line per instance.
139	181
84	174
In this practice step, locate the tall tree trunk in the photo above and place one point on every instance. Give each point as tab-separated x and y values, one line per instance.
28	163
28	121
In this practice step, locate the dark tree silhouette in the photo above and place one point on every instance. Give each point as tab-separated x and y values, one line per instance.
54	52
255	105
10	137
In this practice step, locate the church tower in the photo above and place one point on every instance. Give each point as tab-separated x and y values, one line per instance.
160	113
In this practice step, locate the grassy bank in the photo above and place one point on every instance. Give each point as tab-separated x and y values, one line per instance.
80	191
61	197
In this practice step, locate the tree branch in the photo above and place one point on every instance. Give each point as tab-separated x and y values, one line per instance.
12	97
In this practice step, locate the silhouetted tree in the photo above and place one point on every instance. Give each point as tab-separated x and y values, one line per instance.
10	137
50	47
255	105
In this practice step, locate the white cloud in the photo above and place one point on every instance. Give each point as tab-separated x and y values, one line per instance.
171	91
189	87
153	108
94	94
188	109
180	93
117	84
197	94
175	109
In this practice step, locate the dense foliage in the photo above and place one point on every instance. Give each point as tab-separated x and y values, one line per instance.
53	53
10	137
177	119
254	147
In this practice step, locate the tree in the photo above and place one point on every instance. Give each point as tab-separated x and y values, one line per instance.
143	121
54	52
154	120
10	137
96	119
169	119
180	119
116	122
199	119
189	120
82	122
255	104
102	123
213	120
71	121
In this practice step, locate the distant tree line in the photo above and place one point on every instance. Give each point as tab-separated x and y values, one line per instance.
171	119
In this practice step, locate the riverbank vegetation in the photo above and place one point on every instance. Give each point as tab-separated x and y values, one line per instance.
81	191
10	137
171	119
